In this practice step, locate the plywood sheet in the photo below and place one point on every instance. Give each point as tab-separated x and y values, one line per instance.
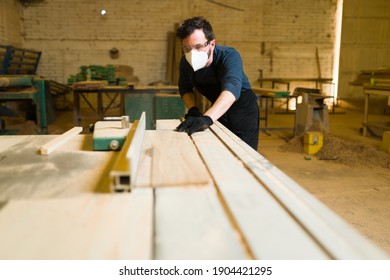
104	226
73	169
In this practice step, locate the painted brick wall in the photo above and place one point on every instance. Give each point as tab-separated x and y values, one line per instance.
10	24
72	33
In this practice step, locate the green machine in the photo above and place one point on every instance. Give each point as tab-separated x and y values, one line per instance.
156	106
22	87
110	133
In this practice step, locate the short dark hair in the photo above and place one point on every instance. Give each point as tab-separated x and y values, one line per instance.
189	25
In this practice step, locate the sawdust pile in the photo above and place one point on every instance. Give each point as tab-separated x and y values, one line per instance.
343	151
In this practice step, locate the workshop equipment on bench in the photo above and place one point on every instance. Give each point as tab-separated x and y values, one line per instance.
29	87
311	111
110	133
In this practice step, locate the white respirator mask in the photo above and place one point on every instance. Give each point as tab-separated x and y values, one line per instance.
197	59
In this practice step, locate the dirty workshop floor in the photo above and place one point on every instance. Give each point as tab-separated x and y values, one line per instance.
352	176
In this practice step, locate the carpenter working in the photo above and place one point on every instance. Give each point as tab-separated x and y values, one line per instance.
217	73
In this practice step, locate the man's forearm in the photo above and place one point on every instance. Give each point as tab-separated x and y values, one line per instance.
221	105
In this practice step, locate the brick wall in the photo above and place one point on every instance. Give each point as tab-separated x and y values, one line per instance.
278	36
10	24
72	33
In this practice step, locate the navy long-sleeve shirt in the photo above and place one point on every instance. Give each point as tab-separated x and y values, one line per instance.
225	73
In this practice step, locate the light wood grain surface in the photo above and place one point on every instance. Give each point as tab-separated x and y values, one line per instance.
208	196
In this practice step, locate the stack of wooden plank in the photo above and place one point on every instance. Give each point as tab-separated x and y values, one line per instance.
17	61
174	55
90	85
383	83
365	76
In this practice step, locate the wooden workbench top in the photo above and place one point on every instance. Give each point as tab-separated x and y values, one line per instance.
59	206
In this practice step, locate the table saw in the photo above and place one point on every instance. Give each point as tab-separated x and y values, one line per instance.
208	196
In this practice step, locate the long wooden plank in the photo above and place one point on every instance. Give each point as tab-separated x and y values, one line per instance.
143	177
176	161
144	174
91	226
167	124
337	238
269	230
60	140
190	221
191	224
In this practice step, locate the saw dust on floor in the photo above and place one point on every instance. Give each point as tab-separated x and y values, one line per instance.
343	151
350	174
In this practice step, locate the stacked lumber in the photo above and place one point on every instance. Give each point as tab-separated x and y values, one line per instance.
174	55
381	83
126	72
90	85
365	76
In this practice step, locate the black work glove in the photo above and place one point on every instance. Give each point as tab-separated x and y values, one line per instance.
193	112
194	124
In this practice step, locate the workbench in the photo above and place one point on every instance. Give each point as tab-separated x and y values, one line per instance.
132	100
373	90
271	93
111	92
288	81
208	196
32	88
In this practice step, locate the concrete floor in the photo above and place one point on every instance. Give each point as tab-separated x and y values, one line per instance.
359	193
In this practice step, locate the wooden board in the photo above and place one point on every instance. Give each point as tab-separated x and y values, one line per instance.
60	140
167	124
201	229
336	238
90	226
73	169
90	85
269	231
143	177
191	224
176	161
9	141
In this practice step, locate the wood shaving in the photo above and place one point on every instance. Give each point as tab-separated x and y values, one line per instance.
343	151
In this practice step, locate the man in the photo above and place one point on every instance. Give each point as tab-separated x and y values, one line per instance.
217	73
